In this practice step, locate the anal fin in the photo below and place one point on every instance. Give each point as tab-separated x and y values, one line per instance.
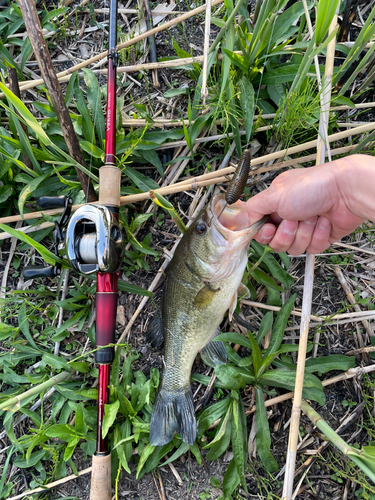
214	353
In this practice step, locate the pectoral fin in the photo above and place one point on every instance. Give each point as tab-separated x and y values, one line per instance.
242	292
205	296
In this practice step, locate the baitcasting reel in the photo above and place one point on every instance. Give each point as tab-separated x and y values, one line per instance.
92	240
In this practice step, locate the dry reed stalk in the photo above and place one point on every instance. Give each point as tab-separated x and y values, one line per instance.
361	350
135	11
307	297
300	372
52	485
354	316
351	373
206	48
349	295
352	247
27	229
128	43
256	161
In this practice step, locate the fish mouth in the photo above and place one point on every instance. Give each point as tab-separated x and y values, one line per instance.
232	218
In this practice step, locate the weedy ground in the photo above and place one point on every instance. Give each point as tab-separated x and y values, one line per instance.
47	326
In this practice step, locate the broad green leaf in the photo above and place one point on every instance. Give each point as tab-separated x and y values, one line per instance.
27	149
257	355
263	437
239	444
183	448
265	326
237	59
263	279
230	377
79	419
87	125
324	16
153	158
94	100
27	190
62	431
280	325
328	363
6	331
277	93
195	451
48	256
34	459
91	149
110	413
221	430
286	19
274	267
222	445
247	105
231	480
140	180
133	289
211	414
71	446
55	361
80	366
26	115
234	337
23	323
115	369
120	449
147	450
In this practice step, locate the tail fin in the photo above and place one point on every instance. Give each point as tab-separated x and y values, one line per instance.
173	413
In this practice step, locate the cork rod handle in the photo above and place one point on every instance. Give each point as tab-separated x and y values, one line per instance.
109	186
101	478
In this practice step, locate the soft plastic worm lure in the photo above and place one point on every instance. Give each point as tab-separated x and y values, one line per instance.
238	181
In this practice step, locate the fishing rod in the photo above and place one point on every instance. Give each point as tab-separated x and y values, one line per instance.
93	241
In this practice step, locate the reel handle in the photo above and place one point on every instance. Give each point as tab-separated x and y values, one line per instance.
31	272
46	202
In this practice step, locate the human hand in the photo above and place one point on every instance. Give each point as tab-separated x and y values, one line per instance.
314	207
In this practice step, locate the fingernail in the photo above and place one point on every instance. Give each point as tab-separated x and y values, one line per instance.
311	221
268	232
323	223
289	226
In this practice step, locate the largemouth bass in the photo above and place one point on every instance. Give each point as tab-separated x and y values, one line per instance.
202	283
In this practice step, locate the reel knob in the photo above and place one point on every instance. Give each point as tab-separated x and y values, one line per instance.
31	272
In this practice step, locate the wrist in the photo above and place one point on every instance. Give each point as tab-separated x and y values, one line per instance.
355	180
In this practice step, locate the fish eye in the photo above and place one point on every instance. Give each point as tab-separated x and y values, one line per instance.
201	228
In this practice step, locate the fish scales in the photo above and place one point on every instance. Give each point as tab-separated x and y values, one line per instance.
202	281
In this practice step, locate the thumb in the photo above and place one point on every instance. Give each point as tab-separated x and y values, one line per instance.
263	203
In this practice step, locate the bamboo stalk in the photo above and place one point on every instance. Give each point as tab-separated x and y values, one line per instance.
16	400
